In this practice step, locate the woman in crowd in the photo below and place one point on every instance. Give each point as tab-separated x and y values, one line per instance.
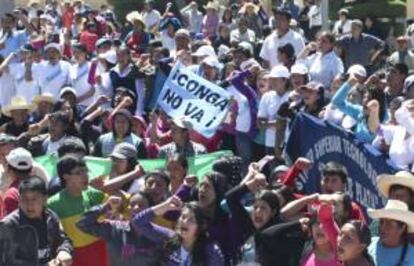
369	116
189	244
248	226
121	133
127	246
353	241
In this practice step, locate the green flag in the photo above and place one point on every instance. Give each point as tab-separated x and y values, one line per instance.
198	165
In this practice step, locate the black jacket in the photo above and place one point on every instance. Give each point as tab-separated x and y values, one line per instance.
19	240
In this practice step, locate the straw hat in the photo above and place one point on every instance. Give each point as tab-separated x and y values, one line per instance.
17	103
248	5
402	178
135	16
212	5
44	97
395	210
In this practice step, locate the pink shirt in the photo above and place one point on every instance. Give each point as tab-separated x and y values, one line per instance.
312	260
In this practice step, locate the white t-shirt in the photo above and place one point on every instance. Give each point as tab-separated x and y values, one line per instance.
272	42
167	41
346	27
151	18
268	107
26	89
79	79
248	36
315	16
243	119
7	88
401	150
52	78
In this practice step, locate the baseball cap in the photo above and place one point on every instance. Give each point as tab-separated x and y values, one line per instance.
20	159
299	68
109	56
183	122
53	45
124	151
205	50
66	90
343	11
102	41
6	138
183	33
248	64
211	61
279	72
27	48
245	48
357	70
282	11
312	86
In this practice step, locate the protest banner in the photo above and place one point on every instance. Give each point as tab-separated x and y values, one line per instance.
198	166
322	142
202	102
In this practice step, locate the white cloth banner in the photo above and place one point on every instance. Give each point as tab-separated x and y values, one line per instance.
186	94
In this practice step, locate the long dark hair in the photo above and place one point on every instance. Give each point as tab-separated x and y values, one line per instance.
375	93
198	254
127	115
364	235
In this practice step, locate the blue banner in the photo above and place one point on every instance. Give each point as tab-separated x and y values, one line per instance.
322	142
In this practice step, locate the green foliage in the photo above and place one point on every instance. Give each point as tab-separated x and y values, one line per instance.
391	9
378	8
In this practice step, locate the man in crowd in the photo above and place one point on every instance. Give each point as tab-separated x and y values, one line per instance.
180	133
81	93
33	235
358	47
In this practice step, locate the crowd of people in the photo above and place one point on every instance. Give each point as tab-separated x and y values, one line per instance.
78	81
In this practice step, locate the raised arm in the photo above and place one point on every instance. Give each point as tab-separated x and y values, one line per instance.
142	222
329	227
339	100
293	209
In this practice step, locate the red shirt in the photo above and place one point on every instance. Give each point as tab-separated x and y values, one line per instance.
11	198
88	39
67	17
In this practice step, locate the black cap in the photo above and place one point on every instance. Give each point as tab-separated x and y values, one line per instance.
103	41
282	11
117	42
27	48
80	46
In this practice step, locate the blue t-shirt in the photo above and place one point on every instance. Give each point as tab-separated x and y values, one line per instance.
384	256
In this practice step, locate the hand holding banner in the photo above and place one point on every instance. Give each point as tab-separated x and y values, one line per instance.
186	94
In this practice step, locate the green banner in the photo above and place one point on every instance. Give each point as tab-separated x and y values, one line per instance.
198	166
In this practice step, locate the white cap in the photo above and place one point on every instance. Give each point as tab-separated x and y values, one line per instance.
299	68
183	33
68	89
47	17
223	50
183	122
279	71
248	64
211	61
109	56
53	45
357	70
20	159
205	50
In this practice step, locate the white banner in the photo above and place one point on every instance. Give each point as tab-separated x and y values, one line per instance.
186	94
